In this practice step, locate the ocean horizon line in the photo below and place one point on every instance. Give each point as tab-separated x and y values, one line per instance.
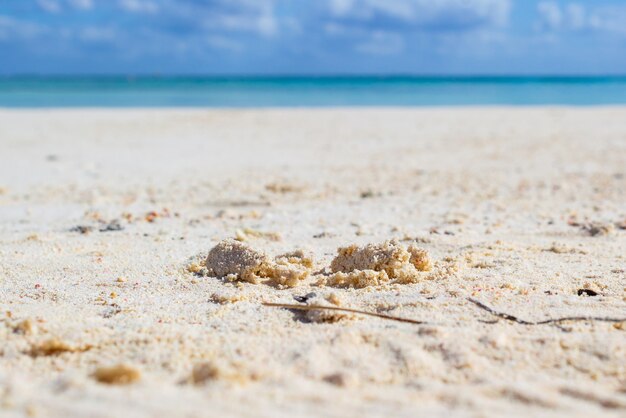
308	91
252	76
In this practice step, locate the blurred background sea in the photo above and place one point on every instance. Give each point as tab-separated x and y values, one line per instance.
154	91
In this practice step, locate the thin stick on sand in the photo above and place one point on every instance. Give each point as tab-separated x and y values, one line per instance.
513	318
336	308
481	305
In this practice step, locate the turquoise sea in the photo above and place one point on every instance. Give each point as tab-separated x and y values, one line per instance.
122	91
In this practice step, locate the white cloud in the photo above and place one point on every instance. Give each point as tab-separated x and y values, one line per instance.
241	16
240	23
609	19
10	28
385	27
575	17
454	14
400	9
267	24
56	6
550	14
50	6
82	4
139	6
341	7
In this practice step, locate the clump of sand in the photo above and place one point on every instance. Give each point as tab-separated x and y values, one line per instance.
210	371
376	264
226	296
237	261
248	234
291	268
120	374
205	372
297	257
357	279
55	347
354	266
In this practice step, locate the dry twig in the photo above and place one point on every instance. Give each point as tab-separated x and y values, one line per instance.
513	318
336	308
481	305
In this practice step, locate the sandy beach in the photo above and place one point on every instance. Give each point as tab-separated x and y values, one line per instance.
106	218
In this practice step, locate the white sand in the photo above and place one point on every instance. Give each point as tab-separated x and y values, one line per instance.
492	190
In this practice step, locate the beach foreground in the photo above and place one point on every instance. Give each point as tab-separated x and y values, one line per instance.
106	216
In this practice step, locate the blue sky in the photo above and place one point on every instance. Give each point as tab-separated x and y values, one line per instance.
313	36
